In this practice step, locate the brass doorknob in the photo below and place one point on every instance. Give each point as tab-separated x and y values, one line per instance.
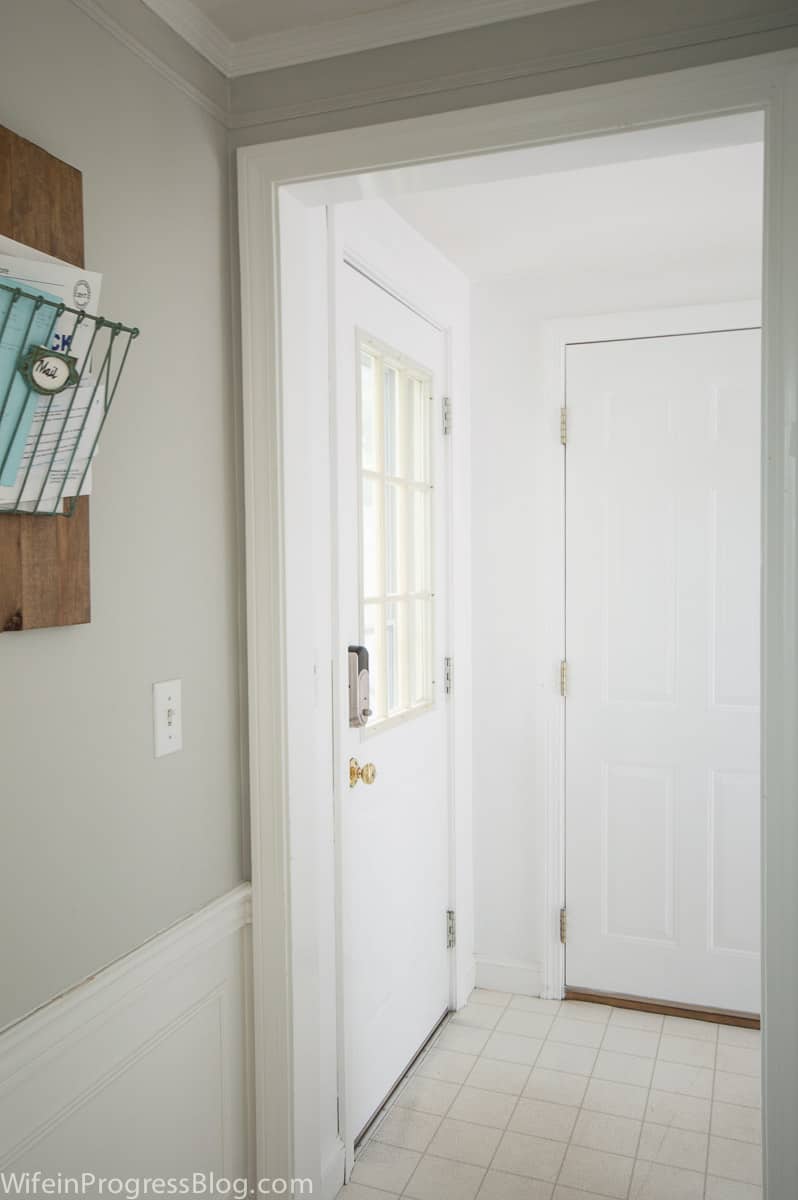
367	773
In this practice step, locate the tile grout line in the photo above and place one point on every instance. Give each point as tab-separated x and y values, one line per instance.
648	1102
580	1108
562	1041
392	1102
711	1113
514	1109
502	1008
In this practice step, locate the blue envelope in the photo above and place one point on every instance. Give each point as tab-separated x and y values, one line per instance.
25	327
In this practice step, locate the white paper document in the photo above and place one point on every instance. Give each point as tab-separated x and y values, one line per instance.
73	286
58	449
20	250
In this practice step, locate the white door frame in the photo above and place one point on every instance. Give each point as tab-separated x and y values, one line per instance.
768	83
550	565
381	246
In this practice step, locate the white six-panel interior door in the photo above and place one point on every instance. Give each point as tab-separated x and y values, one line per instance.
663	649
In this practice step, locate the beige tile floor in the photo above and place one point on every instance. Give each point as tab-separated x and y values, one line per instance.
525	1099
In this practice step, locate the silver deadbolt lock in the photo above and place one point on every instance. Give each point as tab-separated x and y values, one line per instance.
359	693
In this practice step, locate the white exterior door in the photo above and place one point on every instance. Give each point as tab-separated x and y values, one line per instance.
662	636
392	570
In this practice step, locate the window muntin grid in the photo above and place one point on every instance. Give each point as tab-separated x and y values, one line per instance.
396	530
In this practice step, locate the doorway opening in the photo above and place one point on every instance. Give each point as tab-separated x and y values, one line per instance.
593	302
296	1008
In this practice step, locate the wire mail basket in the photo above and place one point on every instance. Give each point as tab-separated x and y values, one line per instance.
60	369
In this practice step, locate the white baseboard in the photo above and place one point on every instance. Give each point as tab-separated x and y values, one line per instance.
332	1176
466	978
523	979
141	1069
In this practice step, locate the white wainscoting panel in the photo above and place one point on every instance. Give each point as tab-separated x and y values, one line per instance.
141	1070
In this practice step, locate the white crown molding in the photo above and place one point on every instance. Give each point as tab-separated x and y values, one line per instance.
199	31
203	37
347	35
95	10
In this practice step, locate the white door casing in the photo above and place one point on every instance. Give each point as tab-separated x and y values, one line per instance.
662	643
394	832
769	83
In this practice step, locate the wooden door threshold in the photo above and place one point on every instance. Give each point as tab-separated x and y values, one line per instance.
720	1016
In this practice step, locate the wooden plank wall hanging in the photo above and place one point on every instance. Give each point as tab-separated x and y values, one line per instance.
44	561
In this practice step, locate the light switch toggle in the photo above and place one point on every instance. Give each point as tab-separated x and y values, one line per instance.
167	715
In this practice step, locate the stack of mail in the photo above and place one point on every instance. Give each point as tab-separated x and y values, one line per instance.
45	441
56	458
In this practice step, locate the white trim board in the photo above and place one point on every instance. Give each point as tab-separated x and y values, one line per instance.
769	83
522	979
342	35
550	564
258	110
179	998
599	46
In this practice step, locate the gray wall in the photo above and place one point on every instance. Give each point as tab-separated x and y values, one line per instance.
101	846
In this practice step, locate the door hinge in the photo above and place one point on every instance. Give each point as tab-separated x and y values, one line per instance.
563	678
448	676
451	929
563	925
564	426
446	415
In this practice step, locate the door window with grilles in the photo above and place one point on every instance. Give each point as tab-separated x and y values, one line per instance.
397	598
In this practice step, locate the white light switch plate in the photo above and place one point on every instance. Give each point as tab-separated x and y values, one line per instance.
167	715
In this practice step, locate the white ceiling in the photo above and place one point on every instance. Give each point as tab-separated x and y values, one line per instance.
243	36
675	228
